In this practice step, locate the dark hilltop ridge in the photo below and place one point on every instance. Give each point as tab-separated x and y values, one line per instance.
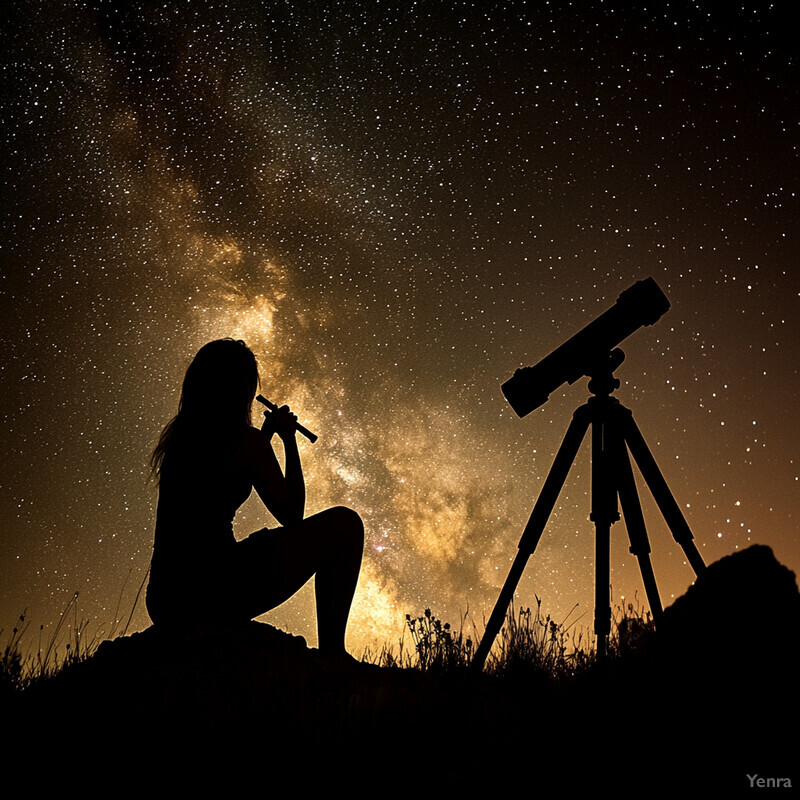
706	700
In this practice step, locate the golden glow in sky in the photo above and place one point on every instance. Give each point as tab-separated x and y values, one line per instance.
396	207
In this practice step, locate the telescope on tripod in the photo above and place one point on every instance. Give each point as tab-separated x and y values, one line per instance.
615	437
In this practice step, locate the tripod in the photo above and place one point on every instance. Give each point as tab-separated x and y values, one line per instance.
614	433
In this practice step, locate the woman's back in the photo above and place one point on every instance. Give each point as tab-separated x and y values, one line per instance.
200	489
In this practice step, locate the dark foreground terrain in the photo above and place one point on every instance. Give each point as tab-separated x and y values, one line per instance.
707	700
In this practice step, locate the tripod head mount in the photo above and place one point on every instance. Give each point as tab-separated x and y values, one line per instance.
601	373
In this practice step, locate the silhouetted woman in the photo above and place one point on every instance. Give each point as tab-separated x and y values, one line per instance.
207	461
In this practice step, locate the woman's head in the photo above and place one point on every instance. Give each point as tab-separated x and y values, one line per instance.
221	382
217	394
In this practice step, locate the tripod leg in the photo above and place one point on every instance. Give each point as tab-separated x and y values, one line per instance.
634	522
533	530
663	497
602	601
604	514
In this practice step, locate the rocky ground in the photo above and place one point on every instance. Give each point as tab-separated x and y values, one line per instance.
708	700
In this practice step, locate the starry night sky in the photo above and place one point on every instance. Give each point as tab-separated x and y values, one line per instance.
396	204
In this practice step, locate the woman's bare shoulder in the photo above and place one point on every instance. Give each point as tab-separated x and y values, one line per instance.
254	446
252	439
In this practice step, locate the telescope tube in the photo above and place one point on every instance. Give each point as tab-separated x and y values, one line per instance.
641	304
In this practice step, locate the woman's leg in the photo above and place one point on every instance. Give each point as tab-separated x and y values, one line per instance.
329	546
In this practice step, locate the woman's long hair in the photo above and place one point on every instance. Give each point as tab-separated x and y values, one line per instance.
216	398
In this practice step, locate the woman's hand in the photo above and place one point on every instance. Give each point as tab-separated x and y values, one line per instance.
281	421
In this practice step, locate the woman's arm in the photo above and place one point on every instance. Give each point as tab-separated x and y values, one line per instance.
293	475
283	493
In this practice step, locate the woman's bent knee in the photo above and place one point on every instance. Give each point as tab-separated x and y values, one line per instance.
349	523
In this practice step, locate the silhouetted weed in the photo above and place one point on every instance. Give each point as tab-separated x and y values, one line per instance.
529	644
68	644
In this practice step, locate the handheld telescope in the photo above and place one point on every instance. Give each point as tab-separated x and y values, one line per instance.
312	437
